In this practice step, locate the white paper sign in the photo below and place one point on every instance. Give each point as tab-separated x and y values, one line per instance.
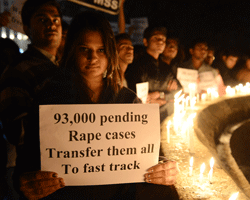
15	18
187	76
207	80
142	91
99	144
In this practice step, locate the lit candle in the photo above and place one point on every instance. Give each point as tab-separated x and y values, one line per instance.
187	101
210	174
241	88
203	97
168	131
192	89
234	196
183	104
191	162
209	93
202	170
197	97
231	91
237	88
177	94
177	100
192	102
216	94
190	132
248	87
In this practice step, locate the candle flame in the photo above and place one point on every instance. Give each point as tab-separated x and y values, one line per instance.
191	162
203	96
212	162
177	94
234	196
193	115
169	123
191	118
202	168
181	97
210	173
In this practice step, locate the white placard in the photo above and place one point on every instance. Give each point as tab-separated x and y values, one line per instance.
207	80
99	144
142	91
15	16
187	76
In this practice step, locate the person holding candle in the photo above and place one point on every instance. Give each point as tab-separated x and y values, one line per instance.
150	68
89	74
198	51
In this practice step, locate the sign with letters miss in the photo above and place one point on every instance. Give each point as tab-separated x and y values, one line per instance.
99	144
108	6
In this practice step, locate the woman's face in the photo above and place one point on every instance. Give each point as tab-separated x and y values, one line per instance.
171	49
91	58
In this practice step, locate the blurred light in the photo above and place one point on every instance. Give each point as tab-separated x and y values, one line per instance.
12	36
234	196
3	35
21	50
25	37
19	36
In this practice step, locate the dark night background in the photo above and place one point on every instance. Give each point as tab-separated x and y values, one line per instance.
222	23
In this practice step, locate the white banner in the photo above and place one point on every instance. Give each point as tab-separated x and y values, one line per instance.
99	144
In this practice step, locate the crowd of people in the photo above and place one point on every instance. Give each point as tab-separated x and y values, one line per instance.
84	63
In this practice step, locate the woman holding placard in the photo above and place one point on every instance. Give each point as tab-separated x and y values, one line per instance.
89	75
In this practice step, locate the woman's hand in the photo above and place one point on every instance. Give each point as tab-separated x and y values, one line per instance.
39	184
154	97
162	174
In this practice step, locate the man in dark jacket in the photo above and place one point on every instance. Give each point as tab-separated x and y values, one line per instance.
42	23
30	71
225	65
150	68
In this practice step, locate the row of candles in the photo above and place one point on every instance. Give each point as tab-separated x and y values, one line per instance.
211	94
202	169
210	174
180	103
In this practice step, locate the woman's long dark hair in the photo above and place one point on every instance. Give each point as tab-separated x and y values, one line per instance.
91	21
